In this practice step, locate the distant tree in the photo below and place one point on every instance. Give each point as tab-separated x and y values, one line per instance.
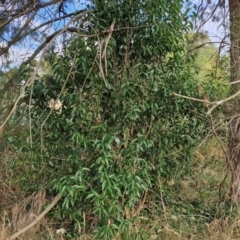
211	69
227	13
205	54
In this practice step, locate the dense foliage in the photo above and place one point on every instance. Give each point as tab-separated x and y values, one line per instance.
120	132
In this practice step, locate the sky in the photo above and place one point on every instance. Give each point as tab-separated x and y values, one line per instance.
219	29
217	33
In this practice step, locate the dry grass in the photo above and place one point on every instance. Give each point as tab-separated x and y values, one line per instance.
16	216
24	213
4	232
225	229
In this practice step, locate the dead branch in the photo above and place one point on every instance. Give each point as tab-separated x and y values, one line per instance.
106	41
215	103
194	99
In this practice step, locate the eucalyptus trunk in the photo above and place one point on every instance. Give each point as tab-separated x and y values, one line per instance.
234	126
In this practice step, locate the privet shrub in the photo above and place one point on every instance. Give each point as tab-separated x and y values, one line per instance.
120	131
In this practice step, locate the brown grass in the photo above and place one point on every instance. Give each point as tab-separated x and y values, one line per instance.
24	213
224	229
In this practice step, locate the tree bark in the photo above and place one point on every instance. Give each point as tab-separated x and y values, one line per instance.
233	160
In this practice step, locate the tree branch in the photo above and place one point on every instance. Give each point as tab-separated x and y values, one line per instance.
215	103
32	77
194	99
18	36
53	20
29	8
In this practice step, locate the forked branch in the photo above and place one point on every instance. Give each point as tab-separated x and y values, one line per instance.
215	103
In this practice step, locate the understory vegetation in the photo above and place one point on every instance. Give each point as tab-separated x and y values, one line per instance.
191	207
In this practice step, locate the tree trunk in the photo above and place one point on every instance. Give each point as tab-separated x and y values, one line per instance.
234	126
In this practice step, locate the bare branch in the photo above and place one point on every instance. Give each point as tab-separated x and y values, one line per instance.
30	7
51	21
18	35
215	103
194	99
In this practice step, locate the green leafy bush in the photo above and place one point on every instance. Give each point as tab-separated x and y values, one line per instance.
120	131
